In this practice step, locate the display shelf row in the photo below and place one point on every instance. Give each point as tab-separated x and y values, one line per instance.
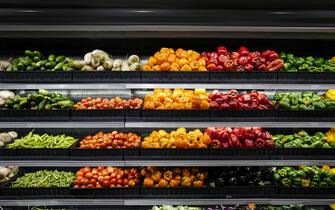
166	163
145	202
123	86
172	124
138	115
168	77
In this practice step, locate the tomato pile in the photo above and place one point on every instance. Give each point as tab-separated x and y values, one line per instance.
174	177
107	177
105	103
235	100
111	140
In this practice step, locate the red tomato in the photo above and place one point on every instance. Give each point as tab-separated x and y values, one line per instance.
86	169
89	175
90	186
92	181
106	183
84	181
125	181
113	181
79	173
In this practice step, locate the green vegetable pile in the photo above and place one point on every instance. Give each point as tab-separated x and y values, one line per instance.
42	141
44	178
41	100
302	140
306	64
304	176
37	61
301	101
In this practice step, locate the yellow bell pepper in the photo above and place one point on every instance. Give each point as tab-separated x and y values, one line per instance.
332	206
333	59
325	168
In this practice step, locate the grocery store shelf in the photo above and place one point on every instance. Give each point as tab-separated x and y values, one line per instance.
93	86
229	124
236	86
139	163
99	86
61	124
143	202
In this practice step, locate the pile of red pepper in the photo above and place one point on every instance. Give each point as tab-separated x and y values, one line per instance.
234	100
240	138
243	60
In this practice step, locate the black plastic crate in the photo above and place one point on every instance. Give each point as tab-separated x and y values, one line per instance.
54	153
110	154
243	77
233	192
243	115
35	77
34	115
180	192
116	192
304	153
306	77
175	115
107	76
242	153
132	114
98	115
175	76
175	154
306	193
307	115
28	192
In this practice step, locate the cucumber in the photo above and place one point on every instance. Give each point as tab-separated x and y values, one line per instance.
29	53
51	57
50	64
60	58
59	66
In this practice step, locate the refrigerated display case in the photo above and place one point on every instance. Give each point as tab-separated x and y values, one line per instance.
294	134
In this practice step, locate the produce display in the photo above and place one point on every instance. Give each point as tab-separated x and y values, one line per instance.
112	140
302	140
304	176
168	59
301	101
242	60
41	100
289	207
7	137
306	64
179	138
105	103
107	177
240	137
44	179
177	99
35	60
174	177
7	172
240	176
37	141
99	60
235	100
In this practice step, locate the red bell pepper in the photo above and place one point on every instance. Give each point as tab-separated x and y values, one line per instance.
243	50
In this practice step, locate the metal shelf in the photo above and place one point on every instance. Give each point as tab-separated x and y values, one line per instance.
62	124
144	202
229	124
235	86
139	163
102	86
165	124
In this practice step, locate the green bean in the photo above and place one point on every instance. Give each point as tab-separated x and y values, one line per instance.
42	141
44	178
